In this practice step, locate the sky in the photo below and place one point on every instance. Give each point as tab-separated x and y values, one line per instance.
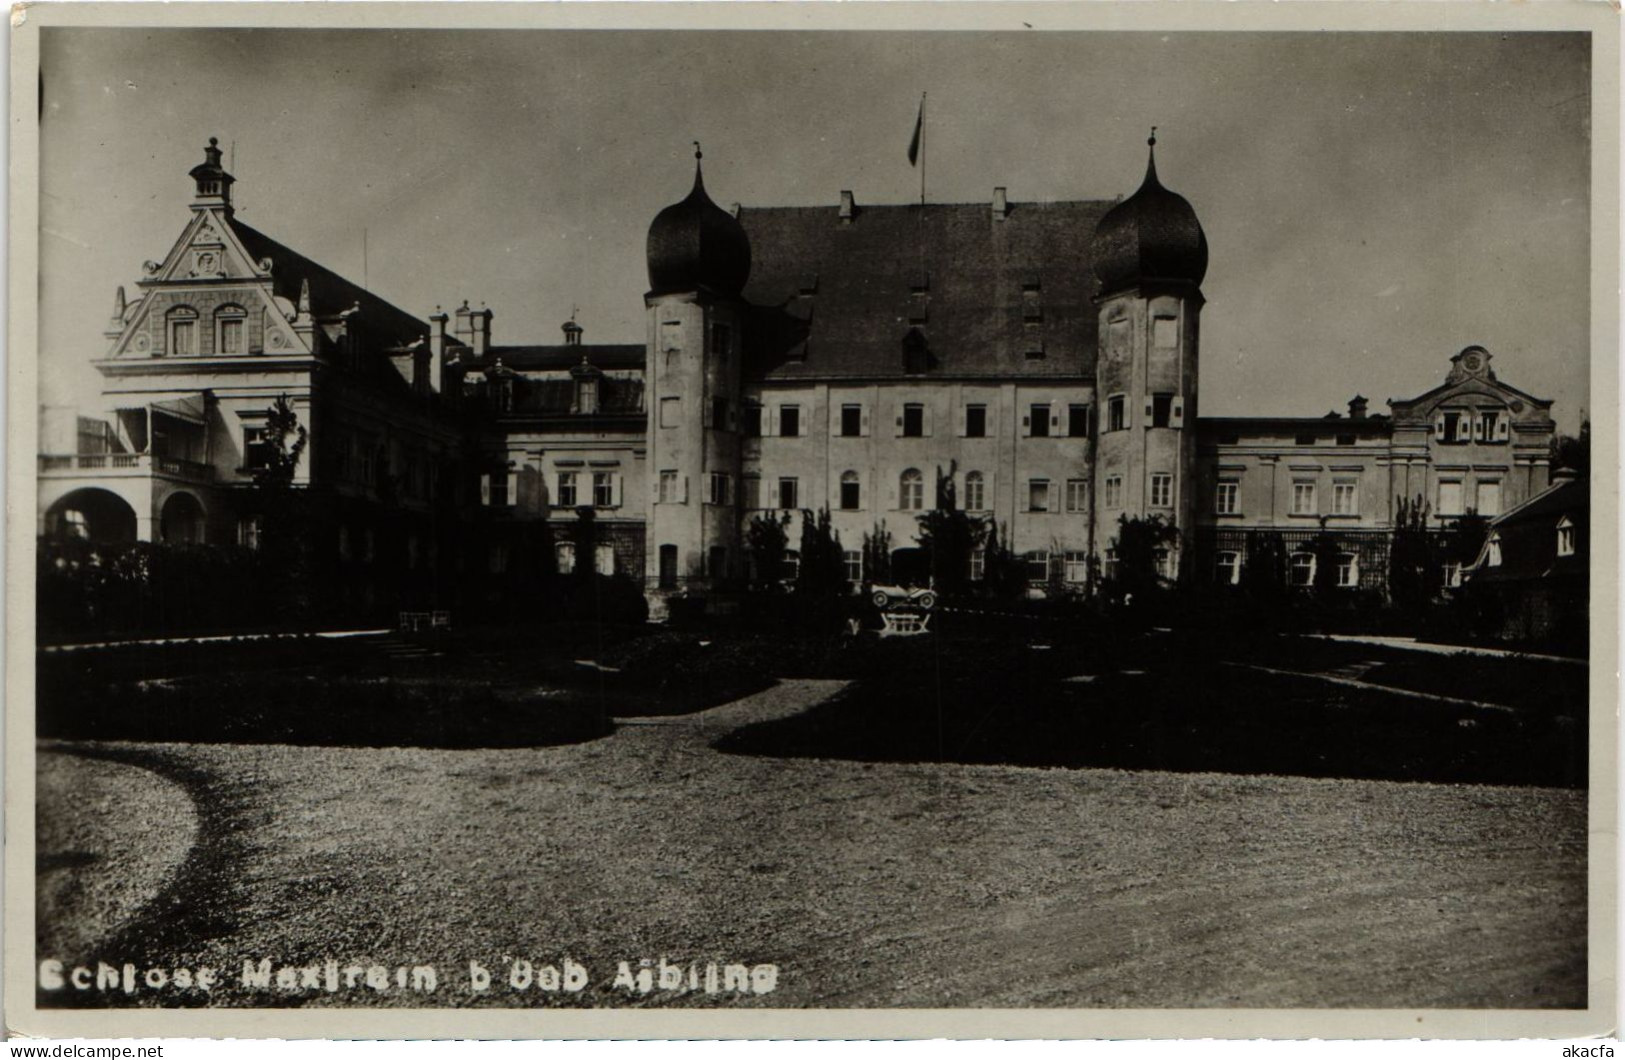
1373	202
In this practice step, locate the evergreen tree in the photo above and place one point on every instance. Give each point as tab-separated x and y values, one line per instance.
1263	571
1139	544
822	572
1002	570
768	540
1413	565
877	554
949	536
284	513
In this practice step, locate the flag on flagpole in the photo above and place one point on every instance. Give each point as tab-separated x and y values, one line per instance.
914	142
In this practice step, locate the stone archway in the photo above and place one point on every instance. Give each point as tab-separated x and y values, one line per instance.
92	514
181	521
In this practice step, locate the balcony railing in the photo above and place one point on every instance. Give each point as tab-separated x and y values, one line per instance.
126	462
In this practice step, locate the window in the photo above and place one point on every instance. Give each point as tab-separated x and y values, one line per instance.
668	566
1303	499
1348	570
1162	409
565	555
791	568
1301	571
587	397
1076	569
753	421
1492	426
1565	536
1109	567
1449	497
1038	418
1077	421
913	420
603	559
1452	427
1227	568
1492	550
719	413
851	421
74	524
975	492
183	332
1114	491
1489	498
229	330
670	490
567	489
1077	495
1116	408
1227	498
911	493
1452	575
978	564
671	412
790	421
1162	491
854	565
494	489
1038	495
1345	497
975	421
1164	560
1037	564
720	493
256	448
851	492
603	489
788	493
248	530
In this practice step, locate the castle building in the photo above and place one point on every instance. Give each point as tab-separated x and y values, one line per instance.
1036	363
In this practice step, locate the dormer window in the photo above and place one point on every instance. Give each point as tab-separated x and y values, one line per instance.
230	330
1565	536
183	331
587	396
1492	551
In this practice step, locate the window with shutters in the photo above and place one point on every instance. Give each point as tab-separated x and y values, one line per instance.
671	412
913	420
1077	421
1227	498
1162	491
1162	410
1457	427
1489	497
1492	427
1116	413
851	421
790	421
1114	491
911	492
975	421
1304	501
975	492
1345	497
720	481
667	492
1450	500
1038	495
1038	420
603	489
1077	495
851	492
789	493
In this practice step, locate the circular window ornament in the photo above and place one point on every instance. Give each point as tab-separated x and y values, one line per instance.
276	339
142	342
1471	362
1517	406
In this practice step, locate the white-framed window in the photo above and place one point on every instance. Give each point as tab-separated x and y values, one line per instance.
587	397
1162	491
231	330
1227	568
1345	497
1038	495
1489	497
1076	569
183	332
851	491
1301	569
667	491
248	530
853	561
603	560
911	491
567	489
256	447
1114	491
978	564
789	493
603	489
1077	495
1492	549
1116	413
74	524
1303	498
564	554
1227	497
1452	575
1450	497
975	492
792	565
671	412
1565	536
721	484
1037	564
1348	570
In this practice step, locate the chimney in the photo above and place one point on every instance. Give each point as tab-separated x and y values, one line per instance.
1001	205
1357	407
481	319
463	330
437	350
848	208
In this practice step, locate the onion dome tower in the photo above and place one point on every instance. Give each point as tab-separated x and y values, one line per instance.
1150	255
699	260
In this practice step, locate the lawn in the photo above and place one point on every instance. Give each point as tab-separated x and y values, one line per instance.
879	879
